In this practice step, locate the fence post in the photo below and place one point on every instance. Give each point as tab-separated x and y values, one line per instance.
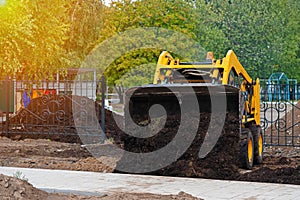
7	105
103	107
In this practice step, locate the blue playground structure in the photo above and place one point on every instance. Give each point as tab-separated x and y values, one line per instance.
281	88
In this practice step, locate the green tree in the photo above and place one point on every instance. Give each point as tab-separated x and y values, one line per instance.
86	23
178	16
139	75
207	30
16	30
289	55
260	33
32	35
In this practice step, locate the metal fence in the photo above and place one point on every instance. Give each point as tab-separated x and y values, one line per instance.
65	109
62	110
280	92
280	114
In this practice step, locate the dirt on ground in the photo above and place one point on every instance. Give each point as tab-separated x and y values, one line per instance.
277	167
47	154
281	164
18	189
31	150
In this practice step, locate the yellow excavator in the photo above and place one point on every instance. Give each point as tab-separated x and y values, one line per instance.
208	82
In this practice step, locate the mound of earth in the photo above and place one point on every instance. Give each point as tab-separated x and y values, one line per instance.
15	188
275	169
64	118
288	175
221	162
53	117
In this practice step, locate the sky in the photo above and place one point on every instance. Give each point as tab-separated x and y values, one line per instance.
3	2
106	2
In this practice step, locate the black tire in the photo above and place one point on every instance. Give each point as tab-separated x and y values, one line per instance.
258	144
246	149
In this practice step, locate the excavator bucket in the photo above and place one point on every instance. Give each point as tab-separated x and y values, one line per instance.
184	130
140	99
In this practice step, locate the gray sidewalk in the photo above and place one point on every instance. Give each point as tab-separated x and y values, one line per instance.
105	183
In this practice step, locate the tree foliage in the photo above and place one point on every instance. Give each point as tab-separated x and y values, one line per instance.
178	16
260	32
39	38
86	22
207	30
32	37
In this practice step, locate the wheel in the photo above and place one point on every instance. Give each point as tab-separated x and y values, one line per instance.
258	144
247	149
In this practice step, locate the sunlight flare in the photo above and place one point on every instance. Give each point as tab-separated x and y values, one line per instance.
2	2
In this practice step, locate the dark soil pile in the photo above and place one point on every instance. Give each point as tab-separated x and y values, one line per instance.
53	117
222	162
288	175
114	126
174	132
275	169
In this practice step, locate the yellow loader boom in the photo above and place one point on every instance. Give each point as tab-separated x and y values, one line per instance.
226	71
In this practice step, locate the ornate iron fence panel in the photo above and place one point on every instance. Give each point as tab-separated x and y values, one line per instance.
58	110
280	123
280	113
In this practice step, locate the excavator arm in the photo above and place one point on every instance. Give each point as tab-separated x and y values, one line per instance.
231	62
223	71
250	88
